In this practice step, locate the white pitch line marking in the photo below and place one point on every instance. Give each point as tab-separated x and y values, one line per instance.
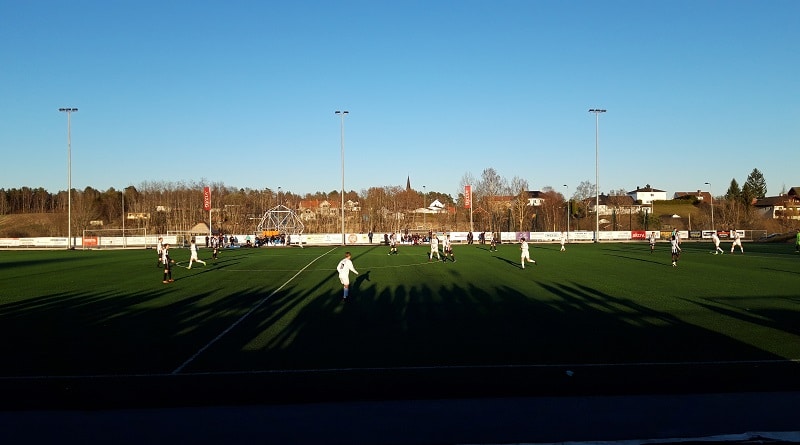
247	314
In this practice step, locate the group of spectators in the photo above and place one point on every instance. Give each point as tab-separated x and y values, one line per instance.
274	240
481	238
222	241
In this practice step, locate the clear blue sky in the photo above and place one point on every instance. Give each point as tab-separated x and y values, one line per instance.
244	93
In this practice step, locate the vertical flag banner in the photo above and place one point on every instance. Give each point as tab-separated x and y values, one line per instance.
467	196
206	199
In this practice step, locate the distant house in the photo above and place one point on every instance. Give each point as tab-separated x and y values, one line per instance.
310	204
647	194
310	209
436	206
782	206
622	204
535	198
700	195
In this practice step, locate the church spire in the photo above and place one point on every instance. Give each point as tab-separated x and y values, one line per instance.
408	183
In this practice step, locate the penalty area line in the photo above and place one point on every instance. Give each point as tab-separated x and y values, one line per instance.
247	314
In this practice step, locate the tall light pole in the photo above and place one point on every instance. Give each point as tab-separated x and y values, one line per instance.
596	112
124	243
342	114
424	207
69	112
710	192
568	212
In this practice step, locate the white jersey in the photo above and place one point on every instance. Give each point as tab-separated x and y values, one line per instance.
715	238
345	267
446	244
434	243
674	243
525	254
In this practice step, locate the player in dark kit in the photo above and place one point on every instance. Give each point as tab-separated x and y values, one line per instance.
167	262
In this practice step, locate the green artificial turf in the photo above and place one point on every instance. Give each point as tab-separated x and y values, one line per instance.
78	313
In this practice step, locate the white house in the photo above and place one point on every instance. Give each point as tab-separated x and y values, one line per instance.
647	194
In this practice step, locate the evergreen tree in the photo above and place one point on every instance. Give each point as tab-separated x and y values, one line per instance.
755	187
734	193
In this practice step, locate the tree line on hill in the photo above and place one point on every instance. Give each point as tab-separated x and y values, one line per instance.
498	204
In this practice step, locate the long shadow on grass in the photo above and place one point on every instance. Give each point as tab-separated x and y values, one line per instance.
664	261
443	341
410	326
751	311
114	332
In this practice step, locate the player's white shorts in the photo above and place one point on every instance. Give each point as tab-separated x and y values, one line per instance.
345	279
526	255
194	256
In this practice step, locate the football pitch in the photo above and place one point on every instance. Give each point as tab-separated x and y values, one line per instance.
99	328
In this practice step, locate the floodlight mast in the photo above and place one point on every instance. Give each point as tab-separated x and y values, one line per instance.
342	114
711	193
69	112
596	112
568	213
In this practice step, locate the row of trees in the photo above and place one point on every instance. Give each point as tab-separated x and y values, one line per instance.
498	204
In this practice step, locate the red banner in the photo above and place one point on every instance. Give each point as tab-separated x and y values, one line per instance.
467	196
206	199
